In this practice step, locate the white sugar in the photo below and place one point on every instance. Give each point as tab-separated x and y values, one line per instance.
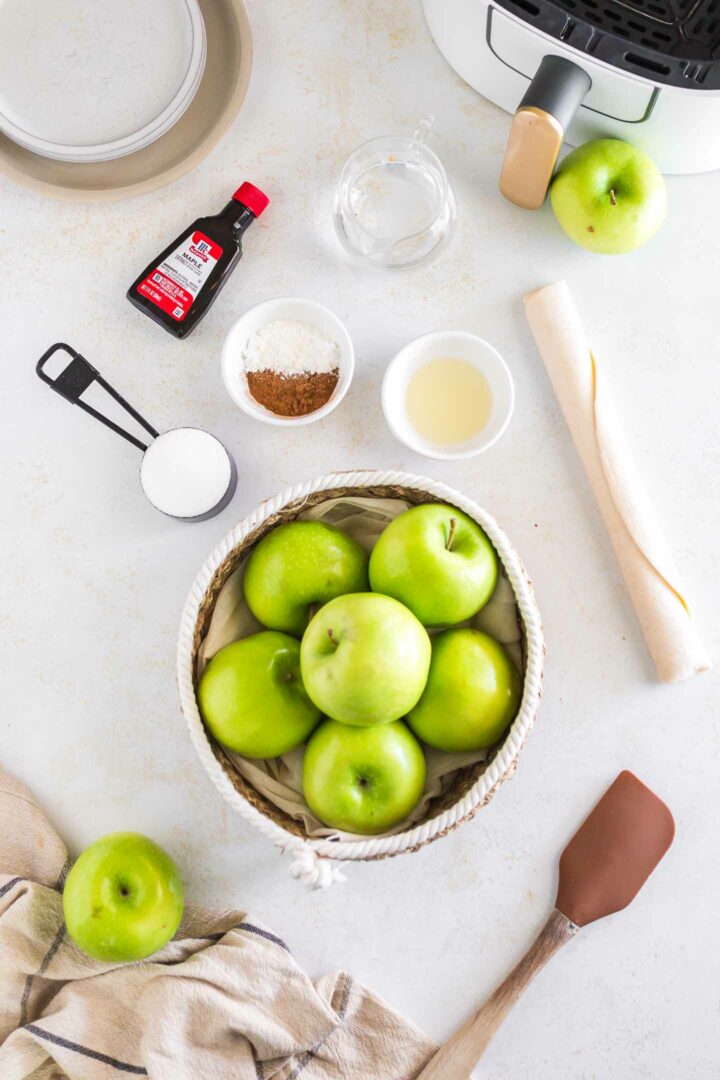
291	347
185	472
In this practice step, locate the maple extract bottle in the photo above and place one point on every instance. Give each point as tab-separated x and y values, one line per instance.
182	283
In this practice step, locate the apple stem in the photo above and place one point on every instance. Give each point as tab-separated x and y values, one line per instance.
613	200
330	635
451	534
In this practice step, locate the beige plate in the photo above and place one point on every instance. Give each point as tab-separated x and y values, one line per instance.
215	106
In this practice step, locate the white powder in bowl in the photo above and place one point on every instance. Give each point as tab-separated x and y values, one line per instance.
291	347
186	472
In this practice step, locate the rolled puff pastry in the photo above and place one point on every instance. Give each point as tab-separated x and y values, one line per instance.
642	552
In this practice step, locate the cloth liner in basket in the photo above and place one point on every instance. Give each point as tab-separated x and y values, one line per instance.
269	793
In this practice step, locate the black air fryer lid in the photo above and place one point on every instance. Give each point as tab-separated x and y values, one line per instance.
671	42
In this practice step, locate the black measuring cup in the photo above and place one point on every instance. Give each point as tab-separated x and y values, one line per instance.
185	472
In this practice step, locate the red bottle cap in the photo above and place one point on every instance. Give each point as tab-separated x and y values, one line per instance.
252	197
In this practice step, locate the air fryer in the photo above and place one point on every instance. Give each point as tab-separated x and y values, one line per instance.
643	70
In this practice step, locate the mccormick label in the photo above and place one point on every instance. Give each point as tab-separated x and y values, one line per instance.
175	283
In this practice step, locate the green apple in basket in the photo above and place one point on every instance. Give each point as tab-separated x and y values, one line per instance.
296	568
472	693
363	779
437	561
252	698
123	898
609	196
364	659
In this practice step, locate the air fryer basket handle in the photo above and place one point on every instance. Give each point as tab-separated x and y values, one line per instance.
538	130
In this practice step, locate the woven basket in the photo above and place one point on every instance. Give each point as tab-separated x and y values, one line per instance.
317	861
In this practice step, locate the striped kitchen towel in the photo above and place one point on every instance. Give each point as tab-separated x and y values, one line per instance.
223	1000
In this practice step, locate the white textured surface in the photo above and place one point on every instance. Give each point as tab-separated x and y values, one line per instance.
94	578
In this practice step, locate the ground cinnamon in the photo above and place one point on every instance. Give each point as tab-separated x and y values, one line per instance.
292	395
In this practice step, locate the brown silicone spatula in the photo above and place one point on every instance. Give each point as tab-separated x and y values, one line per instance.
602	869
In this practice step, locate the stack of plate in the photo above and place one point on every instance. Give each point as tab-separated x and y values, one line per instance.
82	81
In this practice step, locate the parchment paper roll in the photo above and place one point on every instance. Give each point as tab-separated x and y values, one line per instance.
645	559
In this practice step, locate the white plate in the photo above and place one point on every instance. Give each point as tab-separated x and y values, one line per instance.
83	81
213	110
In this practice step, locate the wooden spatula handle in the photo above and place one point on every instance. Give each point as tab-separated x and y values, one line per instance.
459	1056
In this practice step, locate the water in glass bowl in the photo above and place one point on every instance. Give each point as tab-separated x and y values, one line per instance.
394	205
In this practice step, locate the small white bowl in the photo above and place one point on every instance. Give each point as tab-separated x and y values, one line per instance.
461	346
284	307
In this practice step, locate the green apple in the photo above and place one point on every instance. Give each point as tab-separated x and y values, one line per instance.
297	567
252	698
437	561
472	693
364	659
123	898
609	196
363	779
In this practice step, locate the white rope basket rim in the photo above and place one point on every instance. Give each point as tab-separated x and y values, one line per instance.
505	760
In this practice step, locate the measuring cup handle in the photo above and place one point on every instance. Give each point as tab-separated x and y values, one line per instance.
74	380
